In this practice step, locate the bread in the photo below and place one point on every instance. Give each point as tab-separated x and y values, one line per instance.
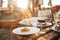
41	38
24	29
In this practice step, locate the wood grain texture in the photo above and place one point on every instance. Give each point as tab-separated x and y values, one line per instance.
6	34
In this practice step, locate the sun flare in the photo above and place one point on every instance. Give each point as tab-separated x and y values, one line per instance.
22	3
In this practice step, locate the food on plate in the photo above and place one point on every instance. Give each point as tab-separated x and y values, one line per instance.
27	22
24	29
41	38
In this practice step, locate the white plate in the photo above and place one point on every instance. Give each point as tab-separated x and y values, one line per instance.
32	21
32	30
24	22
47	24
29	21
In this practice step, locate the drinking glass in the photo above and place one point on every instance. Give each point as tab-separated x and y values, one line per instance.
41	13
56	18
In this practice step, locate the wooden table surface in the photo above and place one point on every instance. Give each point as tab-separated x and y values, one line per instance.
7	34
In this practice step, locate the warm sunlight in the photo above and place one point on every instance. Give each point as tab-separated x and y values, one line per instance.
5	3
22	3
31	5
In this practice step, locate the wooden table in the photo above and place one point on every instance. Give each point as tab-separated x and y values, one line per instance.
47	35
6	34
